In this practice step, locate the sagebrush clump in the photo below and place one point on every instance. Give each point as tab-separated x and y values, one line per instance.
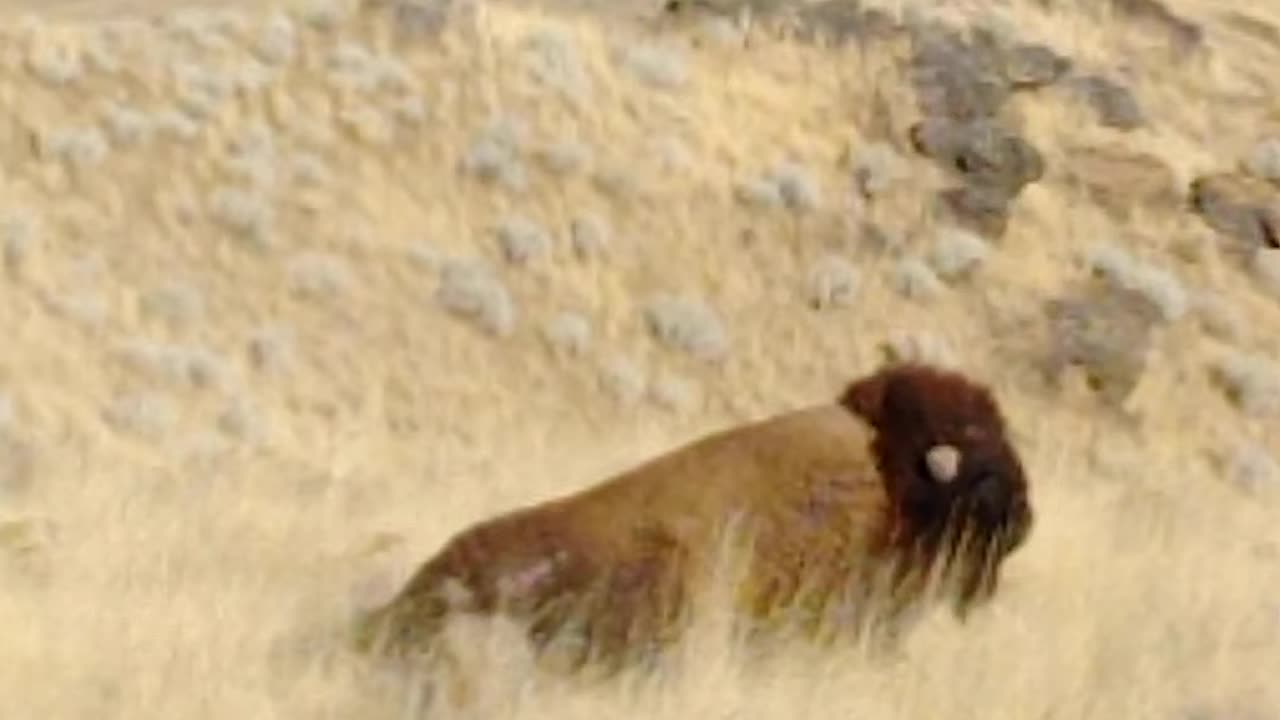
319	275
1250	380
469	289
832	282
145	414
247	215
590	235
1159	286
914	279
957	253
522	240
568	333
687	324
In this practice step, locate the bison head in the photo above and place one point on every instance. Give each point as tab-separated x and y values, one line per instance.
955	483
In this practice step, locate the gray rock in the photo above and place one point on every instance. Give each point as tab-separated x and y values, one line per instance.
1115	104
1243	208
1028	66
954	79
1120	180
842	21
983	151
1107	332
978	208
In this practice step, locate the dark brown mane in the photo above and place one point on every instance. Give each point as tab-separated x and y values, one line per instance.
915	407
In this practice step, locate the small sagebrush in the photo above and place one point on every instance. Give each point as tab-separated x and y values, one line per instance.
182	364
1218	318
673	392
271	349
277	40
145	414
657	66
622	379
127	126
915	280
470	290
1253	469
957	253
758	192
565	157
877	167
54	59
832	282
1159	286
798	186
240	418
245	214
173	303
1263	160
324	14
568	333
688	325
522	240
1251	381
175	124
553	59
495	159
80	148
590	234
789	185
922	346
319	275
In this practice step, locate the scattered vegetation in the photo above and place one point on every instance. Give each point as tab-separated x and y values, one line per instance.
687	324
833	282
469	289
189	404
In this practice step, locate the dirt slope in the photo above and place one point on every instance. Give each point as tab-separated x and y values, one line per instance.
291	297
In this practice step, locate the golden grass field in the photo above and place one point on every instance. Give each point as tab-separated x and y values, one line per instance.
233	406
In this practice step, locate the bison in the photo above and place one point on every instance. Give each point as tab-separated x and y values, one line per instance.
906	484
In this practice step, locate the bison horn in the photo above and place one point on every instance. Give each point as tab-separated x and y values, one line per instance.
943	462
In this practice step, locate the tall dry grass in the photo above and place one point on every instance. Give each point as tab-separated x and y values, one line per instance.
193	554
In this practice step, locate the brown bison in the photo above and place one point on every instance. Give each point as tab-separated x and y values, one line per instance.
907	483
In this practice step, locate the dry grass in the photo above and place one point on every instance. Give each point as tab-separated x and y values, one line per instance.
180	537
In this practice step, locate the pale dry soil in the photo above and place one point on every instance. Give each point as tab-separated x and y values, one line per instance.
235	406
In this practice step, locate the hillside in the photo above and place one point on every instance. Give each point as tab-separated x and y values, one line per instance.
291	295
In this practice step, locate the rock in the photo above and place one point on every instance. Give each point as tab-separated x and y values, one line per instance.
980	209
965	79
955	79
1245	209
983	151
1106	331
1115	104
1027	66
841	21
1120	180
420	19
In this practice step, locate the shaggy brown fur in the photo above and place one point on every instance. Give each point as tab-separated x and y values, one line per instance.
831	496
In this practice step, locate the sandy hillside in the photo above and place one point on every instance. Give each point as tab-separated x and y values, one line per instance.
291	296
